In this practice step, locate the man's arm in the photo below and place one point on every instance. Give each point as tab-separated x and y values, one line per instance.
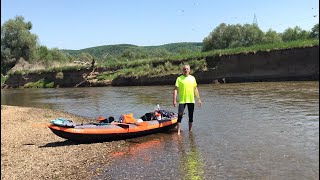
198	96
175	92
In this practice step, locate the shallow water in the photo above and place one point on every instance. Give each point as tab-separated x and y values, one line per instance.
243	131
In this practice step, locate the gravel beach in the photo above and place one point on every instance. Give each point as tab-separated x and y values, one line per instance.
29	150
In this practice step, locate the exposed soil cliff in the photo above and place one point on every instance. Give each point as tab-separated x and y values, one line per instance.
298	64
275	65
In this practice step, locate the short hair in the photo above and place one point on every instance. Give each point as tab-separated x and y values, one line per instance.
186	65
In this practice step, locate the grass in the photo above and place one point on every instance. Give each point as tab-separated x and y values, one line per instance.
201	55
266	47
3	79
107	76
169	65
40	84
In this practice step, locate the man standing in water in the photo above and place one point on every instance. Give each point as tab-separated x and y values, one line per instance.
186	87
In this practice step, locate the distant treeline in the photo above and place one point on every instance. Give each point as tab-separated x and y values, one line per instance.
129	51
18	42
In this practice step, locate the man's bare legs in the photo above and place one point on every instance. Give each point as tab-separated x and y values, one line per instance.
179	128
190	126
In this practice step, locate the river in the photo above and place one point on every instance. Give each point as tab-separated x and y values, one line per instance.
262	130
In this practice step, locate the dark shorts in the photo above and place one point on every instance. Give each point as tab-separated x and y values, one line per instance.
190	111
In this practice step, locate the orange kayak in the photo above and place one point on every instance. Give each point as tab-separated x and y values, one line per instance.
101	132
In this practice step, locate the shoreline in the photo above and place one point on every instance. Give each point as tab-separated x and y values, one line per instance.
295	64
29	150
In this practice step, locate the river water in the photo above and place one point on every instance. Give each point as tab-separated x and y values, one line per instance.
262	130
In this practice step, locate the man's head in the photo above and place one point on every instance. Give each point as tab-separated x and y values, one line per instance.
186	69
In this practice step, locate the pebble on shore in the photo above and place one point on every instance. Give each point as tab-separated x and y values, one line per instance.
29	150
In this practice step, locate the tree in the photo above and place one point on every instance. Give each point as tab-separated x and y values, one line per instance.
234	36
296	33
251	35
84	57
42	53
128	53
215	39
231	36
59	56
271	37
160	52
16	41
184	50
315	31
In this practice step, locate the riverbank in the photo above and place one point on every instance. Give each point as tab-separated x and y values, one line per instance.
294	64
29	150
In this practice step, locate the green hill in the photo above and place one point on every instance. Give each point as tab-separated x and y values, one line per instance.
150	51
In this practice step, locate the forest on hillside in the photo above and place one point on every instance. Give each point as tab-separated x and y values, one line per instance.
17	42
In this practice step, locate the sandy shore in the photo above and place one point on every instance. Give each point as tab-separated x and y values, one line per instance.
29	150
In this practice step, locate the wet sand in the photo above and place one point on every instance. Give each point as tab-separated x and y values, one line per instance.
29	150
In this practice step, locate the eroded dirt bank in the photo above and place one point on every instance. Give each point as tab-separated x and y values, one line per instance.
296	64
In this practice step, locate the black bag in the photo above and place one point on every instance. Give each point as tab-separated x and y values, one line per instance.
166	113
148	117
107	120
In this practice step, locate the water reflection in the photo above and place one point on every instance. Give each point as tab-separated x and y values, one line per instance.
149	157
158	156
26	97
190	163
248	130
138	149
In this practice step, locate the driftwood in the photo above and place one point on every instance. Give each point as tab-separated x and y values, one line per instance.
86	78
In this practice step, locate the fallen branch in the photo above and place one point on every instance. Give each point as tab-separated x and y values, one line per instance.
86	78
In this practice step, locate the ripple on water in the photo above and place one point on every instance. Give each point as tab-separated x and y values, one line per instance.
242	131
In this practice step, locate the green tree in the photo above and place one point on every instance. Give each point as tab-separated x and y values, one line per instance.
234	36
215	39
128	53
16	41
251	35
59	56
296	33
184	50
230	36
51	55
271	37
140	54
85	57
42	53
161	52
315	31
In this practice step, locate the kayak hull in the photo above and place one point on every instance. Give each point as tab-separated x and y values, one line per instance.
112	132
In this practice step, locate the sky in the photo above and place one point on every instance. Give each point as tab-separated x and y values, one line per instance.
79	24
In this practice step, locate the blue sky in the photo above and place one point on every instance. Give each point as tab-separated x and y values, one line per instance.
78	24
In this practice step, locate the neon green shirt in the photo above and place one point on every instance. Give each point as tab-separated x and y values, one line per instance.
186	86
